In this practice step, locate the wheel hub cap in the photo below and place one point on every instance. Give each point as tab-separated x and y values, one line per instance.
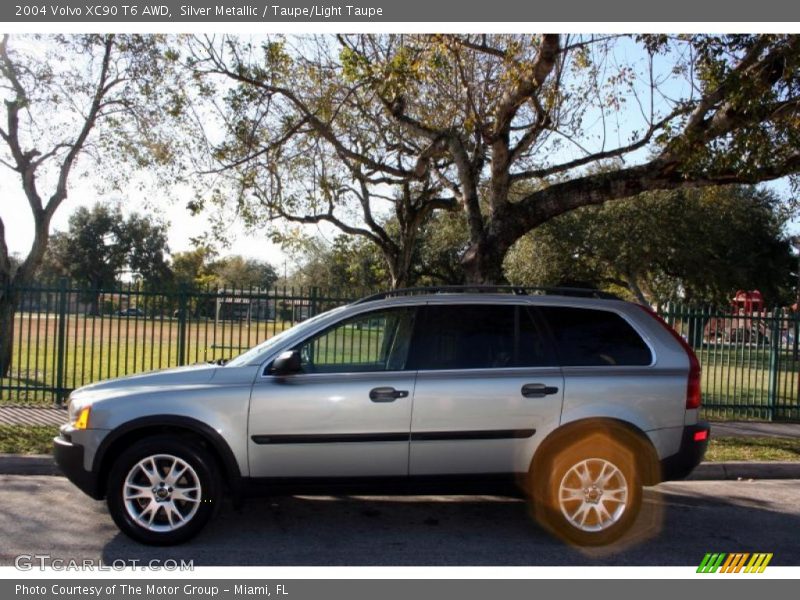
162	493
593	495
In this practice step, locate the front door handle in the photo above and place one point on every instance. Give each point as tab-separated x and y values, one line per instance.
386	394
538	390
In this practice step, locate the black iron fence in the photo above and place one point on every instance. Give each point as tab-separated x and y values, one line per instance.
66	336
750	360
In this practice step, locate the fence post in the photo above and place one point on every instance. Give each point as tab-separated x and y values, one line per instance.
182	310
61	342
313	308
774	361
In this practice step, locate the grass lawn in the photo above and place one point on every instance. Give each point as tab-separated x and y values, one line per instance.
27	439
753	448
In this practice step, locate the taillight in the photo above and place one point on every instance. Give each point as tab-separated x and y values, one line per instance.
693	394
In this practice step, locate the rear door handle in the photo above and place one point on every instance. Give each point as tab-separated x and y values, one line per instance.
538	390
386	394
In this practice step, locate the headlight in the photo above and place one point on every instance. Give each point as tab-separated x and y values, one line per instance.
82	420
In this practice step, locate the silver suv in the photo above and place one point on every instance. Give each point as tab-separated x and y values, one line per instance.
575	399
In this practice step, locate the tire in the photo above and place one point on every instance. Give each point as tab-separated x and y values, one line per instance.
163	490
589	493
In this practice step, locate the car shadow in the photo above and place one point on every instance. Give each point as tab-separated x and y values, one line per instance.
677	526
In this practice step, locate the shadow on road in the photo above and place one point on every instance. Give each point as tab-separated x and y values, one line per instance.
677	527
680	522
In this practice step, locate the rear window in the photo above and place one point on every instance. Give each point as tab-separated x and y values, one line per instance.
588	338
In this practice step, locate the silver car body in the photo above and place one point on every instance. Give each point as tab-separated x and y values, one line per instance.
438	428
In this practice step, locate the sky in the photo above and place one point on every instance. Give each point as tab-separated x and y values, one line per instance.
183	226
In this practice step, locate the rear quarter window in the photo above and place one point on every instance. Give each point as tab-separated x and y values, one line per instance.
590	337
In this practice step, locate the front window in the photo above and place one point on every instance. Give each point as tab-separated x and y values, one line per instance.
257	353
374	341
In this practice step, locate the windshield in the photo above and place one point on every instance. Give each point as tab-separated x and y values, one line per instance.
262	348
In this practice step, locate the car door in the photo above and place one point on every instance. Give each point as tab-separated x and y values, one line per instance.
348	412
486	382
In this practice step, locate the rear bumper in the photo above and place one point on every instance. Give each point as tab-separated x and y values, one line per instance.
694	444
69	458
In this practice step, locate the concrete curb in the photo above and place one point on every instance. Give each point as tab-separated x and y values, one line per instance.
28	464
745	470
43	464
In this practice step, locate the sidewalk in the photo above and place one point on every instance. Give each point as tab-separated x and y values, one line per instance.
30	415
754	429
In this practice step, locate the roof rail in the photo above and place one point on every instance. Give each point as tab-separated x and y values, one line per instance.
517	290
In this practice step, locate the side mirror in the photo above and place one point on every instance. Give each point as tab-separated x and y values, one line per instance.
287	363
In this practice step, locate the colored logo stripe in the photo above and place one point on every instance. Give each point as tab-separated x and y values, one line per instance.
735	562
758	563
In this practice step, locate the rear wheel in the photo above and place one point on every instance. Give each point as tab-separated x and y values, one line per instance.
163	490
590	492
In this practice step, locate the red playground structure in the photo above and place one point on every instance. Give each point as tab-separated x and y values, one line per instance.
747	323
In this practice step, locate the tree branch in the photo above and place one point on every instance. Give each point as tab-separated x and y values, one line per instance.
5	262
101	89
598	156
658	174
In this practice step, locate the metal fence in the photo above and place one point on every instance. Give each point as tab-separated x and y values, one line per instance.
750	360
66	336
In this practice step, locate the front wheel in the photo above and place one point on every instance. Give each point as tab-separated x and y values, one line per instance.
162	490
590	492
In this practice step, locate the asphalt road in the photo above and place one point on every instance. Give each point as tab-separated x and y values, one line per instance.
679	524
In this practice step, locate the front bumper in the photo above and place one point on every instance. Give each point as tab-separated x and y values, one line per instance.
69	458
694	444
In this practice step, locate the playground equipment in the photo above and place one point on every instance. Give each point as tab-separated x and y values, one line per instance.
748	321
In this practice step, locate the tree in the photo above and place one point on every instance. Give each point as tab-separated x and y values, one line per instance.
500	123
101	244
66	97
305	145
443	241
237	271
347	266
690	245
511	112
191	268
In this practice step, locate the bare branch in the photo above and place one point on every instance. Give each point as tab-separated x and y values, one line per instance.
102	88
598	156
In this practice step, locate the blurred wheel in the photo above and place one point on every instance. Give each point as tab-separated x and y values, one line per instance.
590	492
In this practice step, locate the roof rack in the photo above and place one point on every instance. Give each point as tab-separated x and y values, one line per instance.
516	290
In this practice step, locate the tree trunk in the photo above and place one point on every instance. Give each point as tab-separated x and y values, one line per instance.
8	309
94	304
634	287
398	272
483	263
